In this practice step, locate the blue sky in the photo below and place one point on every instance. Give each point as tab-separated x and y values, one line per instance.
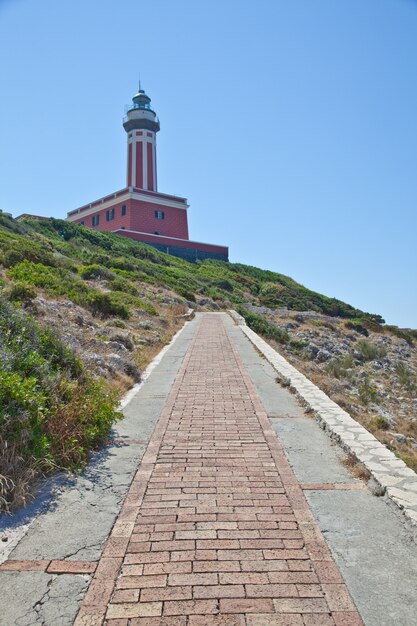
290	126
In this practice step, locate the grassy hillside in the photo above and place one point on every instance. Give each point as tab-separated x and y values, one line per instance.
59	256
82	312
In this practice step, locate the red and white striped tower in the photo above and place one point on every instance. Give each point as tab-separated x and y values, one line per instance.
141	125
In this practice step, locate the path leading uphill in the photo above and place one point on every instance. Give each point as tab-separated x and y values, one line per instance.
215	528
209	507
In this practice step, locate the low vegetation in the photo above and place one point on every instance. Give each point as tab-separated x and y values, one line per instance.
62	257
52	412
82	312
369	369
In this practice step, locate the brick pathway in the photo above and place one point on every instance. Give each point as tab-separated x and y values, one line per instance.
215	529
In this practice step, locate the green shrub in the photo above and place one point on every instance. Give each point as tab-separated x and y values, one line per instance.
341	367
104	305
224	285
321	323
58	281
124	264
81	423
370	351
23	406
91	272
367	393
25	251
270	295
184	293
406	376
51	412
357	326
55	280
408	334
121	284
116	323
132	302
381	423
20	292
263	326
297	345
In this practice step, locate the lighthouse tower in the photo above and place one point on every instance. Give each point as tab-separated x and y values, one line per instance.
139	211
141	125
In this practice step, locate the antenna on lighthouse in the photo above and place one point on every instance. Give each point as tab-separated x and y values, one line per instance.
140	87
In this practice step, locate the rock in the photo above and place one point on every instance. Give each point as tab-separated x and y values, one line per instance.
323	356
386	415
146	324
117	362
290	326
114	345
124	366
97	364
124	339
79	320
311	351
377	489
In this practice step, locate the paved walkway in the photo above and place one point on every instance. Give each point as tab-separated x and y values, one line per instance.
215	529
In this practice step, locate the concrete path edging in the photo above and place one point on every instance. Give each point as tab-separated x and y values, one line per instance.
398	482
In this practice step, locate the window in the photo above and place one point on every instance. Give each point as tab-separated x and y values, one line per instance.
123	209
157	233
82	223
110	215
160	215
96	220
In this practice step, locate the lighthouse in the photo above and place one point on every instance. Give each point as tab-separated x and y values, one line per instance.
139	211
141	125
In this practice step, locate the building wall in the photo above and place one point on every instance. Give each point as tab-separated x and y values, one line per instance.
174	224
190	254
188	250
140	216
119	221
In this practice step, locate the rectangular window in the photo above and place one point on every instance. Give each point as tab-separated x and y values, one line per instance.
110	215
81	223
123	209
160	215
96	220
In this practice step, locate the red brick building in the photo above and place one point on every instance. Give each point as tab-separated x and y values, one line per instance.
139	211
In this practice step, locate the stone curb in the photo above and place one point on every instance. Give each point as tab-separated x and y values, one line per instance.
397	481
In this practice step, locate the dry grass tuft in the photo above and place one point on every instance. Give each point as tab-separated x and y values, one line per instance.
355	468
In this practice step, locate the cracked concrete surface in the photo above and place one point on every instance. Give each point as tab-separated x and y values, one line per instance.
74	519
370	543
37	598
